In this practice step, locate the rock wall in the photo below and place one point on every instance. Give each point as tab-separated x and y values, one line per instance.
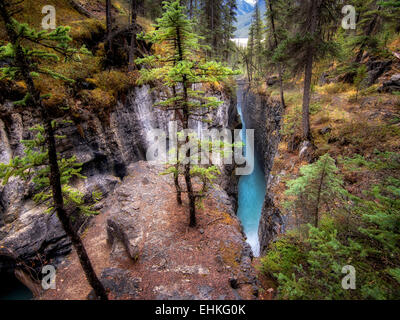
264	116
105	146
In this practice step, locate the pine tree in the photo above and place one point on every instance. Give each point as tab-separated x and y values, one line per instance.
229	19
211	19
136	6
258	30
373	17
34	167
179	67
318	186
255	47
273	30
27	63
309	39
250	52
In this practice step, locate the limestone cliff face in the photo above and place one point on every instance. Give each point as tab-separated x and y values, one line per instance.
105	146
264	116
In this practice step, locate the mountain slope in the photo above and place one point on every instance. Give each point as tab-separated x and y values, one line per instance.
244	17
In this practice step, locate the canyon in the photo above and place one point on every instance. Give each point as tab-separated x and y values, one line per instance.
109	150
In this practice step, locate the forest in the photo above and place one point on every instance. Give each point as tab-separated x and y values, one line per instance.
309	99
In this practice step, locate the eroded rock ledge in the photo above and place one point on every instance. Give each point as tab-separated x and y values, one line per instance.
264	115
143	248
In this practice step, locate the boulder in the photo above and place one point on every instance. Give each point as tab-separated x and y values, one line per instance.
33	238
123	228
376	68
392	85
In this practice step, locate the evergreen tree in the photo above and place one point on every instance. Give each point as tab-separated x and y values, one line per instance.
217	19
229	19
136	6
250	52
179	67
258	30
365	234
27	63
312	23
271	13
34	166
318	186
373	17
255	47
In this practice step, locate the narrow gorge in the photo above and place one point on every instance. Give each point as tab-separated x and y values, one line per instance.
112	151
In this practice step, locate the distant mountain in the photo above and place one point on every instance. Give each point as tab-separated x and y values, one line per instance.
245	13
244	7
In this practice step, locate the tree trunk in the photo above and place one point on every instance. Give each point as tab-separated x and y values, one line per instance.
306	98
308	72
108	18
185	125
55	180
321	183
178	188
109	31
78	7
132	50
64	218
271	14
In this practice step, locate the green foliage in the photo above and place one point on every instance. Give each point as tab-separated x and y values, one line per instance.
44	46
364	232
180	65
34	167
318	187
360	77
381	161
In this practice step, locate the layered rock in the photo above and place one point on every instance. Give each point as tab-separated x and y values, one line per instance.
264	116
105	145
392	85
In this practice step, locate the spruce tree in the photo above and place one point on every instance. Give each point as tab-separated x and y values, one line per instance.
211	19
310	26
180	67
229	19
28	53
258	40
271	13
373	17
319	185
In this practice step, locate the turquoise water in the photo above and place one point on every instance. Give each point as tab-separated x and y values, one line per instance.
252	190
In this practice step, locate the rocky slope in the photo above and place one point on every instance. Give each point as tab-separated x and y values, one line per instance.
143	248
265	116
105	146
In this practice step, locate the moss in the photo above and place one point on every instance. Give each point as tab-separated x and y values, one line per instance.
334	88
114	82
230	255
97	99
87	31
80	70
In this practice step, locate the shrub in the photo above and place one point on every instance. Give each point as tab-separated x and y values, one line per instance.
337	87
